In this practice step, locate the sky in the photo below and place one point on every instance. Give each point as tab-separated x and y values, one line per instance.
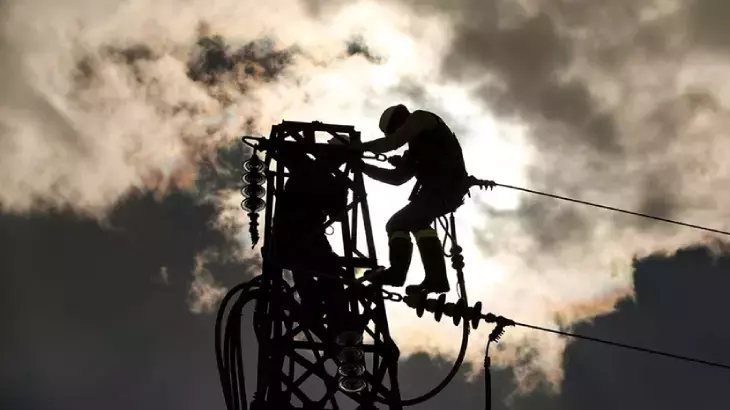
119	169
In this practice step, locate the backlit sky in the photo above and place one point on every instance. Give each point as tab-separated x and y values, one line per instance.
105	118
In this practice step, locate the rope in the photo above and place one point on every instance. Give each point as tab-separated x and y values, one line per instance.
448	235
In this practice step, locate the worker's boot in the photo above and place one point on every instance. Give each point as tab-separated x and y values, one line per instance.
401	252
434	265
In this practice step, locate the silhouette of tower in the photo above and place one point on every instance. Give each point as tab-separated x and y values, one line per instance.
306	360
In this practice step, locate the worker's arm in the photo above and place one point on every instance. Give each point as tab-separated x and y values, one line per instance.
416	123
396	176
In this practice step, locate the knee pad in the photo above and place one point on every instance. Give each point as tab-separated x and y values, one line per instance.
399	235
425	233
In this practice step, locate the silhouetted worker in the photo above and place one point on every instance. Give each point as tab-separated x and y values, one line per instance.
435	158
310	195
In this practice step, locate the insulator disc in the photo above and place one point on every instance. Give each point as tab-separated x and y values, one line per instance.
350	354
254	164
253	191
352	384
351	370
253	204
254	178
476	315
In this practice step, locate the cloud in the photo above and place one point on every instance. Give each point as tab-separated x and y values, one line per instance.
621	102
357	46
707	19
205	292
96	300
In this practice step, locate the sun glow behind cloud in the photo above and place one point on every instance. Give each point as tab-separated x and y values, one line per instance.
121	114
630	116
492	150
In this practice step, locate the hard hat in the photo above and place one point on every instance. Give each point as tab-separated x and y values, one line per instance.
396	112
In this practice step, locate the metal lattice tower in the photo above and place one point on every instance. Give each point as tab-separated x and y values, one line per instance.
295	348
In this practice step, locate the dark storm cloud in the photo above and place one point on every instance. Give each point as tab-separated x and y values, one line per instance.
357	46
214	60
709	23
89	323
550	225
90	326
259	58
211	62
411	89
659	200
87	67
528	61
679	309
224	169
130	55
564	135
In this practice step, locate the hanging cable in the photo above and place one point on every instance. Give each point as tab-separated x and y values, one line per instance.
448	234
229	356
482	183
494	337
458	264
487	379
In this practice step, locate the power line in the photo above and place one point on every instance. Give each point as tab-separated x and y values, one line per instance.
626	346
491	184
461	311
608	342
501	322
487	183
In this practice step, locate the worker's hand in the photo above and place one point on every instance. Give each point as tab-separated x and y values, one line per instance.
482	183
395	160
488	185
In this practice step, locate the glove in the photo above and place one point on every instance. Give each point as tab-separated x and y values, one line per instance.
482	183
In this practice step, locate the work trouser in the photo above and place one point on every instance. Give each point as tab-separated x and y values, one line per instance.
416	218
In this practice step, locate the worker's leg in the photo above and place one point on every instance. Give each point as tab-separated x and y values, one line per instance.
400	248
412	218
423	212
434	264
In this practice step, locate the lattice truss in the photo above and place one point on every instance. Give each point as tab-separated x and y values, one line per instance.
302	363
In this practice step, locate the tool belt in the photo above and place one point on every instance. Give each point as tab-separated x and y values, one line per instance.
448	194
